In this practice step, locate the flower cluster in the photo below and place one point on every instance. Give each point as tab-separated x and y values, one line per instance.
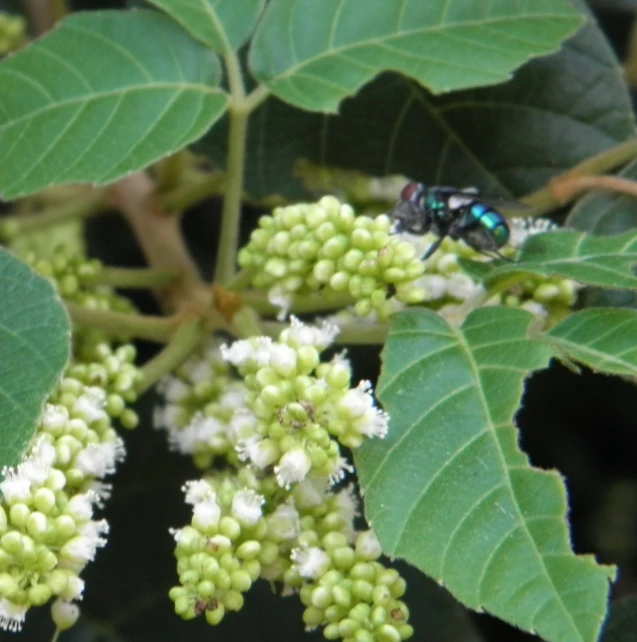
298	409
273	502
324	246
47	530
447	287
349	592
202	397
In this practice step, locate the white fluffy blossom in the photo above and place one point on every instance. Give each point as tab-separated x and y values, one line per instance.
311	562
11	615
246	507
292	467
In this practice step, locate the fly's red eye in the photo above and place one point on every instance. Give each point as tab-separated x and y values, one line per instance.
408	192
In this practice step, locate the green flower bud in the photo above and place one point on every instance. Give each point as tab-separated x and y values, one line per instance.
343	557
276	267
388	633
37	524
348	627
233	601
11	542
378	616
273	396
205	589
352	260
215	616
342	597
321	597
252	568
248	550
331	632
240	580
65	526
362	590
340	281
18	514
334	247
363	635
269	552
39	594
182	605
324	270
334	613
64	614
8	585
44	500
381	594
46	559
313	617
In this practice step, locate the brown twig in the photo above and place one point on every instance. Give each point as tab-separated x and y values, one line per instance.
161	240
566	188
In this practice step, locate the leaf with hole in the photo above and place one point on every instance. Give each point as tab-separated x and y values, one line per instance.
103	95
34	349
449	490
222	25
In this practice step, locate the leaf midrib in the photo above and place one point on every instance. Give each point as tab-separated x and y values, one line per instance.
395	36
82	100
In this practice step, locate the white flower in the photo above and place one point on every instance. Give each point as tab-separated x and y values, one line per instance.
206	513
285	522
54	416
246	507
311	563
311	492
299	334
99	460
81	548
280	299
347	503
200	431
535	308
242	426
12	615
435	285
198	491
368	546
199	370
174	389
80	507
260	452
283	359
168	417
74	589
368	420
522	228
341	468
256	350
90	405
293	467
462	287
34	470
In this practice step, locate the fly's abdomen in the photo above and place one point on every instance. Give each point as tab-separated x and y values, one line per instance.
490	221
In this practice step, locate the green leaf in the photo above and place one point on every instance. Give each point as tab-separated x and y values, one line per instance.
478	137
103	95
602	339
450	491
603	212
34	348
621	625
314	54
222	25
606	261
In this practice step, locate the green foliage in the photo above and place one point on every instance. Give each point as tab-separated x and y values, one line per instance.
603	340
471	137
103	95
34	348
449	489
222	25
605	261
314	54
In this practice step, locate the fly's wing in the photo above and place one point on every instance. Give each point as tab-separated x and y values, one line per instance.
457	198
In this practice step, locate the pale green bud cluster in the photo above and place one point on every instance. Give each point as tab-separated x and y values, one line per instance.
299	407
219	555
448	287
202	396
47	530
349	592
289	415
324	246
12	32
